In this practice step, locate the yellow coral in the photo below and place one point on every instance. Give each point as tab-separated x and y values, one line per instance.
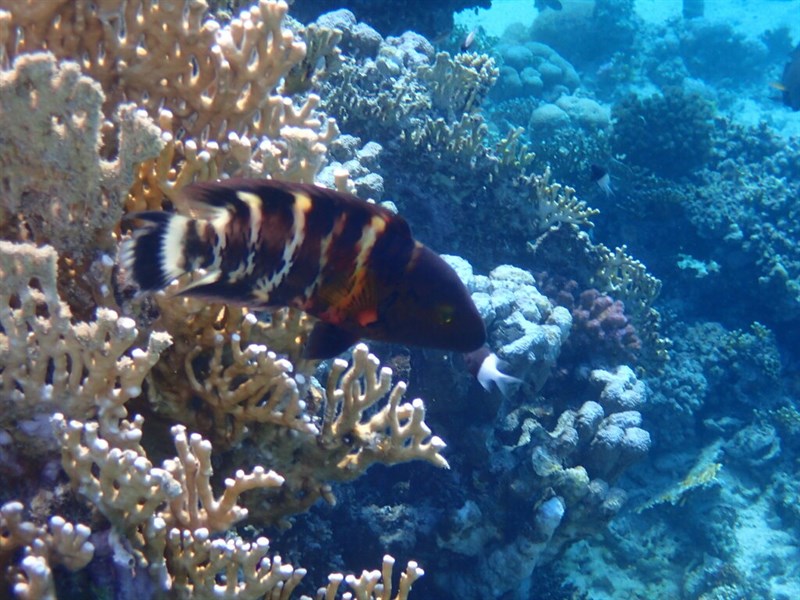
396	433
703	474
59	543
211	109
555	204
54	364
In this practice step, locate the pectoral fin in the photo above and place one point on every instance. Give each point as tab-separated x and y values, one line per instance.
328	340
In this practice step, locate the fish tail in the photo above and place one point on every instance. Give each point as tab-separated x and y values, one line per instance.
165	247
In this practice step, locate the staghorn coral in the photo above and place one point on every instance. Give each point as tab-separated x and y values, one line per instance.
170	516
355	432
147	503
103	456
459	84
217	80
215	99
222	374
169	513
396	433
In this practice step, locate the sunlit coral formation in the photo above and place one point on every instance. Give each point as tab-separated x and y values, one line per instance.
51	363
554	204
124	103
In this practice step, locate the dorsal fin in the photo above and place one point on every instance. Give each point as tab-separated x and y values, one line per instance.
213	199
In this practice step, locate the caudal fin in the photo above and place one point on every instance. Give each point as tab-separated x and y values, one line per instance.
156	253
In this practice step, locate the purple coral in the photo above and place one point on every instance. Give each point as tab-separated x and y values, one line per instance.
599	321
601	332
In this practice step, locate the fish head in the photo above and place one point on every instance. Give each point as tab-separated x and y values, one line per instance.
430	306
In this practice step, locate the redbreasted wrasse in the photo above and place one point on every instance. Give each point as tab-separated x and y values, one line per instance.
353	265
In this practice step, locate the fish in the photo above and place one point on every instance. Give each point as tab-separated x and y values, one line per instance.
790	82
354	265
468	40
543	4
601	177
485	367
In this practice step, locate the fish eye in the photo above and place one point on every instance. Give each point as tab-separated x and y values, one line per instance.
446	314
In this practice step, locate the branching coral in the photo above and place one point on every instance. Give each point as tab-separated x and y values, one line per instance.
554	204
57	151
145	502
214	98
222	375
359	427
204	102
216	81
168	513
396	433
52	364
59	543
460	84
321	58
627	279
612	272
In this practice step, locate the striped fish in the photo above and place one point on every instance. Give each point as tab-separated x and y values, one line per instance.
353	265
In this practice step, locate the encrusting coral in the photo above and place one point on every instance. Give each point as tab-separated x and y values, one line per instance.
124	103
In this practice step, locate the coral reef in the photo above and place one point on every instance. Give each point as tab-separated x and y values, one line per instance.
526	329
601	330
532	70
60	543
417	15
550	458
604	28
670	134
150	445
63	131
92	376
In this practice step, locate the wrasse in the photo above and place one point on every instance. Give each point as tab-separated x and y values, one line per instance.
353	265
